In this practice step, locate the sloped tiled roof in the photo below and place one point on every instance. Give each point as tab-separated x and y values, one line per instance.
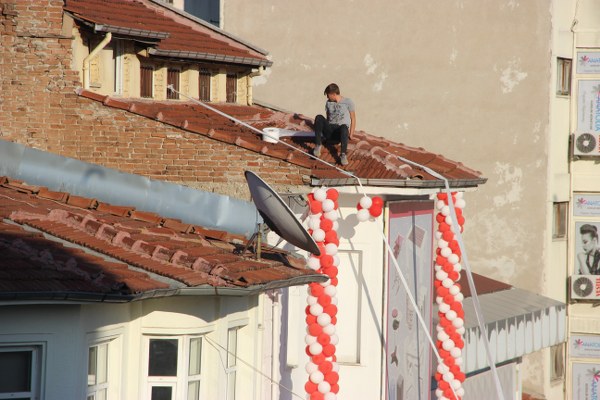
372	159
176	36
57	245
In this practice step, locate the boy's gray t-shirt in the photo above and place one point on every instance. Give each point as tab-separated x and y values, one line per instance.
339	113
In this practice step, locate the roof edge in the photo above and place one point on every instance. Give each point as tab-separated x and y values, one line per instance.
256	62
409	183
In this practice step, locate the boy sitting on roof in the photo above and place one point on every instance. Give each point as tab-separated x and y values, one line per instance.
340	122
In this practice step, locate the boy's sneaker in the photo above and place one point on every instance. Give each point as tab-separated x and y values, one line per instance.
344	159
317	151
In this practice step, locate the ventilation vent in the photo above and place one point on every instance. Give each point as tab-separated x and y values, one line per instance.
585	287
587	144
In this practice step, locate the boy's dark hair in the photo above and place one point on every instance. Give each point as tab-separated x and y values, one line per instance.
332	88
591	229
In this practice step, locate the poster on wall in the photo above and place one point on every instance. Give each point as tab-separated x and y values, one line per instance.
408	363
585	346
588	62
587	250
588	106
585	380
586	205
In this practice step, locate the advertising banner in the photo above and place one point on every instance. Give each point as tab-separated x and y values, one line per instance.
408	363
587	248
588	106
586	205
585	379
588	62
585	346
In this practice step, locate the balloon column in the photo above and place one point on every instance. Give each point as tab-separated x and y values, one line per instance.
321	311
450	329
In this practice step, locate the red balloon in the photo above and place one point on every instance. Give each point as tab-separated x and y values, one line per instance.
335	205
324	339
310	197
461	220
377	201
443	227
444	353
448	236
316	289
375	211
331	310
442	196
326	261
439	217
358	206
332	377
334	281
437	284
443	385
442	291
440	260
311	319
307	310
325	367
334	320
328	350
335	388
455	306
331	272
438	376
332	194
317	396
453	275
310	387
307	349
326	224
318	359
331	237
321	247
448	299
316	207
324	300
447	393
315	329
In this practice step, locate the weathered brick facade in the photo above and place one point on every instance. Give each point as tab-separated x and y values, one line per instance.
39	108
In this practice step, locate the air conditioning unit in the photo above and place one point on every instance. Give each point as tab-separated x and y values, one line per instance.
585	287
587	144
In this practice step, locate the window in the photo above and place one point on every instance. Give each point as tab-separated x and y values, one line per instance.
559	211
231	88
563	77
119	55
173	79
174	368
204	85
20	372
97	372
232	344
557	362
146	81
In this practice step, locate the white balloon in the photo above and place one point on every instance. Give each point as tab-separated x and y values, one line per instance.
459	195
457	323
453	290
316	309
441	275
311	300
460	391
460	203
336	260
366	202
458	360
331	291
444	308
332	215
445	252
459	297
310	339
324	387
331	249
457	267
447	344
335	339
320	194
456	384
334	300
453	259
448	220
438	235
455	352
437	267
317	377
442	336
461	330
318	235
311	367
448	376
451	315
315	349
336	226
313	263
314	223
442	243
336	367
329	329
363	215
443	368
326	283
328	205
445	211
330	396
447	282
439	300
439	204
324	319
439	393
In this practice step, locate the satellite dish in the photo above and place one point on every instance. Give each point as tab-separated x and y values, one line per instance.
278	216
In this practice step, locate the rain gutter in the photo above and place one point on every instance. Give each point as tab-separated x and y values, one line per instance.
409	183
211	57
23	298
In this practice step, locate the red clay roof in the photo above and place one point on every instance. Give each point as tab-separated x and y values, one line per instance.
50	242
184	38
368	155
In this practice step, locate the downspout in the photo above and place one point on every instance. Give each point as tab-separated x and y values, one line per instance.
93	53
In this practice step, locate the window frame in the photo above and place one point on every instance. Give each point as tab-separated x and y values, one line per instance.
179	382
151	69
93	390
564	68
36	371
231	83
207	74
560	216
173	71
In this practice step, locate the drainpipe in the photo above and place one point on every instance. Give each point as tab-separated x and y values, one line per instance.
93	53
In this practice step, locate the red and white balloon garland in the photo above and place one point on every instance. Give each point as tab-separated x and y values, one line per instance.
450	328
321	311
369	208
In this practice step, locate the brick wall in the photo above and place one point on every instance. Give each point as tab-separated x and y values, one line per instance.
39	108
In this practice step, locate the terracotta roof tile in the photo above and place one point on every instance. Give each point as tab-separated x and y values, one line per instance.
174	34
174	252
369	156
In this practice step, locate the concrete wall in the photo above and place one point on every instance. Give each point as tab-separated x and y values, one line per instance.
473	80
